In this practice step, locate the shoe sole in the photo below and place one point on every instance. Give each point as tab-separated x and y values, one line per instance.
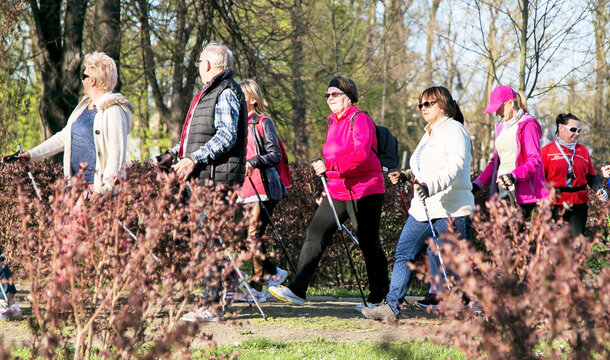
286	300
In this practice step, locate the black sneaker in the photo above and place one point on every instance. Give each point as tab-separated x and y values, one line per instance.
429	302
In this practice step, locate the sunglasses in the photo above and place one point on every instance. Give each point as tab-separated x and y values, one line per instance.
572	129
426	104
83	76
333	95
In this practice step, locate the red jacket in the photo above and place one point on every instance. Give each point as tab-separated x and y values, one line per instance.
556	169
352	167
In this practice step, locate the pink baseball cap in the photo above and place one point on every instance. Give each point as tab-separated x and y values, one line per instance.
499	96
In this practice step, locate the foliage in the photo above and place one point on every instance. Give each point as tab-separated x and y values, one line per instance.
533	284
91	283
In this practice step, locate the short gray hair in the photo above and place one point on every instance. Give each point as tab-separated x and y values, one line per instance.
219	56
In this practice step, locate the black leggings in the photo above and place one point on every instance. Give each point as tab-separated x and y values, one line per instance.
576	217
365	215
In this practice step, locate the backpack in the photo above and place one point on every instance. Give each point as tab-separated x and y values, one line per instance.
387	144
283	168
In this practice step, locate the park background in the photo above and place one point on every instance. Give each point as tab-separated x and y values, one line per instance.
556	52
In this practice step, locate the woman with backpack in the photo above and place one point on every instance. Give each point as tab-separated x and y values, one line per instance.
356	186
263	154
440	167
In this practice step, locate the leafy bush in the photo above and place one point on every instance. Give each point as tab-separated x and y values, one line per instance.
534	287
92	283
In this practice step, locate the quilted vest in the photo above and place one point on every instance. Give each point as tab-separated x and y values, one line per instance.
229	168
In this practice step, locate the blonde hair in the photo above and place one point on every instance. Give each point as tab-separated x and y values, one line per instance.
253	91
103	68
519	101
219	56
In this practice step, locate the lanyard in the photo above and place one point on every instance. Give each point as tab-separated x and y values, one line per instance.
570	161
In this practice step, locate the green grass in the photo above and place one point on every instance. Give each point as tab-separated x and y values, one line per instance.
262	348
315	322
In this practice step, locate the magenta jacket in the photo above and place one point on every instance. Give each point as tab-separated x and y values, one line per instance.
352	167
529	174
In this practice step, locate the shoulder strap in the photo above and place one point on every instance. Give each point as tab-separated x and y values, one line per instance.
351	120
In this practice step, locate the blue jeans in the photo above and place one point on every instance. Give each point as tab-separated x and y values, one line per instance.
413	240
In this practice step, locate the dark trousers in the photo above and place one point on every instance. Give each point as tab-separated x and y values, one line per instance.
365	215
575	217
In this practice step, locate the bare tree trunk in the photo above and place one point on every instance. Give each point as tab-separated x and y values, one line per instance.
58	43
428	79
523	42
183	77
301	134
599	123
108	31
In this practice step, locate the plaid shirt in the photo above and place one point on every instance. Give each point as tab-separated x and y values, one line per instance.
226	116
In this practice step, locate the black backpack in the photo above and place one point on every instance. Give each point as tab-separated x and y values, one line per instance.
387	144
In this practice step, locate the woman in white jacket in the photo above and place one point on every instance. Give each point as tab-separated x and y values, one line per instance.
441	168
96	132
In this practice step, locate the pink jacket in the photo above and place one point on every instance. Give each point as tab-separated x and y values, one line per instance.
529	174
352	168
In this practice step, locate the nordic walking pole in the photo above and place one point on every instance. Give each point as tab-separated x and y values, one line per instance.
277	235
435	239
4	293
242	278
342	227
15	157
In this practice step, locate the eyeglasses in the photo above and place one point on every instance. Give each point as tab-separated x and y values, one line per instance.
333	95
572	129
426	104
83	76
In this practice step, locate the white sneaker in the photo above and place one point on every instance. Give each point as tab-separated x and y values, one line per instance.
277	279
245	296
285	294
202	315
15	309
4	310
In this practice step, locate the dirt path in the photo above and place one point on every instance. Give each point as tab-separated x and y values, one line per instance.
321	317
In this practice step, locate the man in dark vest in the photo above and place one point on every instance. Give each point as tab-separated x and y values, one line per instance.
213	144
213	141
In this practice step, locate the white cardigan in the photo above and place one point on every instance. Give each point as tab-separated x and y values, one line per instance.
445	168
111	125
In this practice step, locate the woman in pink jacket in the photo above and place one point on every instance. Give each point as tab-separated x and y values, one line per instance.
516	163
355	183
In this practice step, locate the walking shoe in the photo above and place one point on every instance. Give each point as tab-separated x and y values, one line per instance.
285	294
4	310
380	312
280	276
15	309
202	315
429	302
245	296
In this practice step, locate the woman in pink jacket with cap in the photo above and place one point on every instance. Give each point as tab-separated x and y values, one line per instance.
516	164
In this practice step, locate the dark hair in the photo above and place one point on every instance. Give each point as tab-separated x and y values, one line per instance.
445	101
347	85
563	119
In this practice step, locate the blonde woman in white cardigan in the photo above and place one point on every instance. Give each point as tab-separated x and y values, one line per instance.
96	132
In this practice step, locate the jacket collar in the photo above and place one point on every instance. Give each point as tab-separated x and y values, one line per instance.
347	114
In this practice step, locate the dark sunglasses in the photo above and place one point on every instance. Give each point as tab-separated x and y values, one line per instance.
426	104
83	76
333	95
572	129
